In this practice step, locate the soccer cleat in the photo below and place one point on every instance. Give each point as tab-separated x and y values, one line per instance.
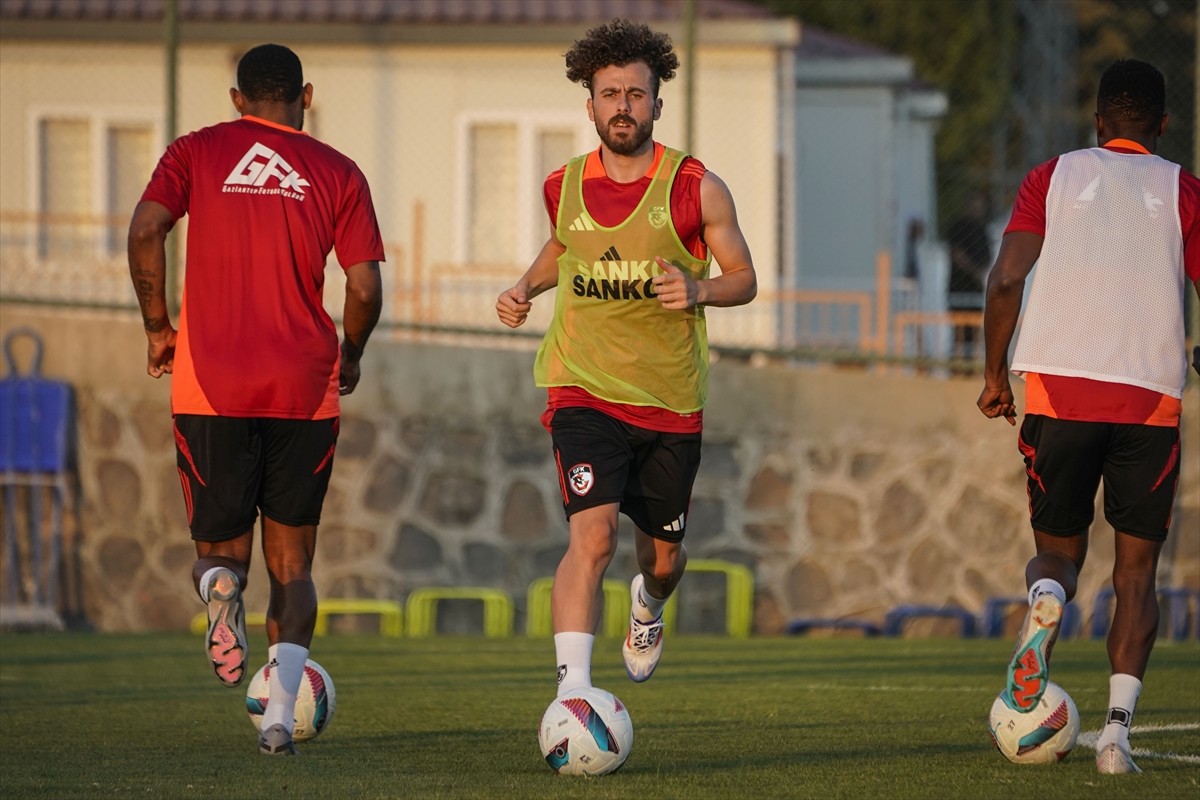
1115	760
643	643
276	741
1029	670
225	644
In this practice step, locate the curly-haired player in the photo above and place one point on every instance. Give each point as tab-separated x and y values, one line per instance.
634	228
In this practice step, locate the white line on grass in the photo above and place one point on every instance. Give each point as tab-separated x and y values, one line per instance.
1087	739
826	687
1173	726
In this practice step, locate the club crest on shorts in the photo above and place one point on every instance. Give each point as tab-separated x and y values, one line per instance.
581	479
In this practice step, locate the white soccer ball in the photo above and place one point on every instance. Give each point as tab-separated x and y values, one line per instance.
586	732
315	702
1043	735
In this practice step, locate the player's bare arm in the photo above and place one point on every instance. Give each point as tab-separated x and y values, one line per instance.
148	231
513	304
1196	349
737	284
364	301
1005	288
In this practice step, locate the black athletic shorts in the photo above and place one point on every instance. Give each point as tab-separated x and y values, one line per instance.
603	460
233	467
1065	460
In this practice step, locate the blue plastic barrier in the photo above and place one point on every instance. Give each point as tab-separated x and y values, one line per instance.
893	623
807	624
996	609
35	454
1180	614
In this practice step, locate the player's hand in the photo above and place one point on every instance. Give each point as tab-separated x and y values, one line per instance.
676	289
512	306
350	369
160	352
997	401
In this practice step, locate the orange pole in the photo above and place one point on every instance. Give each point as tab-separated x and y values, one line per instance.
883	299
399	292
418	261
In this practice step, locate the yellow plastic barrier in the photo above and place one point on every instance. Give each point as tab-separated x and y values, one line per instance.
739	595
391	614
539	622
422	609
200	621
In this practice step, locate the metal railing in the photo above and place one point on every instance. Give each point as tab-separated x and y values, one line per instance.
80	261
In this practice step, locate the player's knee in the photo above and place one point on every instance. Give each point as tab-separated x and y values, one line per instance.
289	572
1133	585
599	550
594	539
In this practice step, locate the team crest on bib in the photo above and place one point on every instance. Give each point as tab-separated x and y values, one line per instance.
581	479
658	216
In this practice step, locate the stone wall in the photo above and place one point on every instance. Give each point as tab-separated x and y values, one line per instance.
847	492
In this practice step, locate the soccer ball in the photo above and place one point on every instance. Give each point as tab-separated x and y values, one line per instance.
586	732
1043	735
315	702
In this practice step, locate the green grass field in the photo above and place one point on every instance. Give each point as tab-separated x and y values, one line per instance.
113	716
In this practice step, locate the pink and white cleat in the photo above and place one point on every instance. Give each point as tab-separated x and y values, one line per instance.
225	643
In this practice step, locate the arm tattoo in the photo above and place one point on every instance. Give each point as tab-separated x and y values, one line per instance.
154	325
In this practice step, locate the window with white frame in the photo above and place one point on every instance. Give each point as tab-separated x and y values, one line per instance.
492	193
65	188
91	171
503	165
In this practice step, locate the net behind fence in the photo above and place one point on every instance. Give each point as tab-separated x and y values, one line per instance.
873	154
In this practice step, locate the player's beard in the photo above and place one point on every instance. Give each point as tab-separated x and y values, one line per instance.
630	144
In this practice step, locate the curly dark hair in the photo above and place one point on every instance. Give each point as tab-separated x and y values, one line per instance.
270	72
619	43
1132	92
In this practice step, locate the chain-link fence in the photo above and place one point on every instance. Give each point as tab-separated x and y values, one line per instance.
873	146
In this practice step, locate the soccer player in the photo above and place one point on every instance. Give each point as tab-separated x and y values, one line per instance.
1114	230
634	227
256	365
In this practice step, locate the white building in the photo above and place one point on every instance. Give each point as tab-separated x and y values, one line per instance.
456	111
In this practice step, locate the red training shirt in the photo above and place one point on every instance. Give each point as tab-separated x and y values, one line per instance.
266	204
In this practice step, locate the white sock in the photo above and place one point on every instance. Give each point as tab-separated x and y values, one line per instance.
573	651
648	607
1123	691
1047	585
286	661
206	580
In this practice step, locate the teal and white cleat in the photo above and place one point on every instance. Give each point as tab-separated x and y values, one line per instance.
1029	670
